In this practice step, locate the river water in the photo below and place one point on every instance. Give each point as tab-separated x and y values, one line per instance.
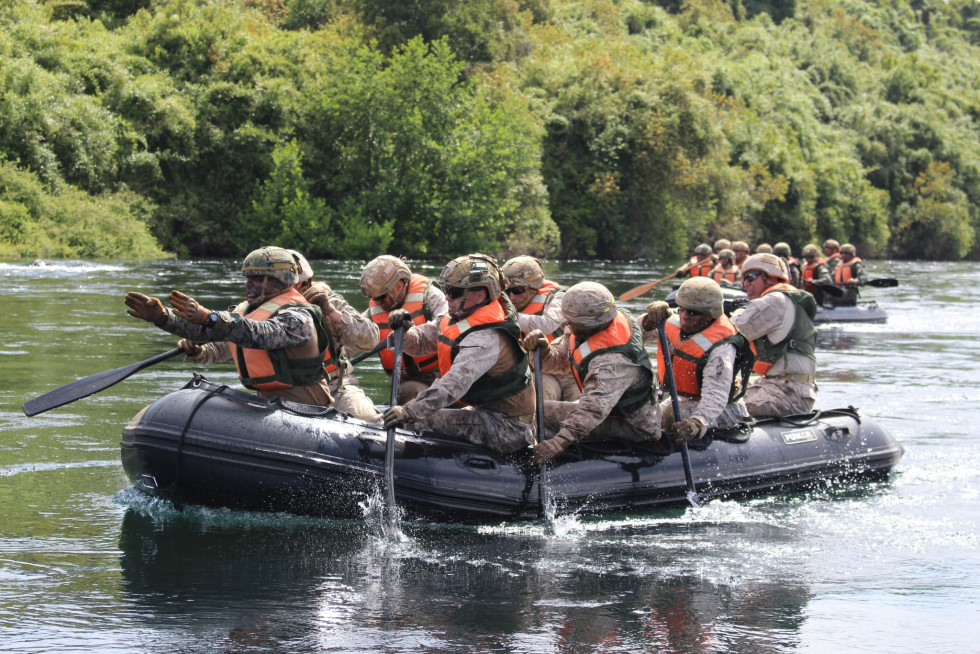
88	564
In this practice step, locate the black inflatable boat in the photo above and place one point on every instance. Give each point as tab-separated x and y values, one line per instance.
215	446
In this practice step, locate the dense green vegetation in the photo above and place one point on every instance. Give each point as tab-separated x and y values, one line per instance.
573	128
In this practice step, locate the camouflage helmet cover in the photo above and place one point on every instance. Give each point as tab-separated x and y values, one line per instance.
305	270
831	243
523	271
810	250
763	248
473	271
701	294
847	248
703	248
381	274
271	261
740	246
588	305
782	249
768	263
722	244
726	253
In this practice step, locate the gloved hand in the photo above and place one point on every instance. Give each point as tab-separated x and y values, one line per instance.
549	449
188	309
534	340
657	312
399	317
397	416
687	430
319	294
190	348
145	308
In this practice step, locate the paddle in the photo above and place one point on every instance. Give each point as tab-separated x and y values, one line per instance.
399	333
643	288
884	282
692	493
363	355
544	499
90	385
829	288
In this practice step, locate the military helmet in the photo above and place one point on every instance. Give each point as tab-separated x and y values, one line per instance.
763	248
740	246
273	262
303	266
768	263
588	305
381	274
810	249
847	248
726	253
722	244
831	243
523	271
782	249
473	271
703	248
701	294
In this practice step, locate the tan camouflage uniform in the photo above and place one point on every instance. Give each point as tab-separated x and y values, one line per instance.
789	386
550	320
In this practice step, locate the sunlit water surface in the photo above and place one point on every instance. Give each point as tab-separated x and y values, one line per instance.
87	564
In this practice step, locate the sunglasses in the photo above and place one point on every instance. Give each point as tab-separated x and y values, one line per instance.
750	277
691	312
455	292
516	290
380	298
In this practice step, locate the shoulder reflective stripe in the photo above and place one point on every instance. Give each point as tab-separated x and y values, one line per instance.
376	309
268	306
585	350
414	297
702	341
463	326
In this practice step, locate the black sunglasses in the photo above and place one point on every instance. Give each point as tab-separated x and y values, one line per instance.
380	298
750	277
455	292
691	312
516	290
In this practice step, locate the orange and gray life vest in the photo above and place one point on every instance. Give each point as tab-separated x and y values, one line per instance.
622	336
729	274
844	272
802	338
809	272
701	268
266	370
501	316
689	355
540	301
416	304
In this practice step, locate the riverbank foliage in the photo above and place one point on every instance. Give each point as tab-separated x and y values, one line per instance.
571	128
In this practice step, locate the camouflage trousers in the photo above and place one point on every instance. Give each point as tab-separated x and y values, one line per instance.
766	396
560	387
487	428
315	394
612	428
352	399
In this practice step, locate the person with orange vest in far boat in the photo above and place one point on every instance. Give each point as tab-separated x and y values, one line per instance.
831	254
726	272
483	366
741	250
815	273
538	302
397	296
276	337
711	360
700	264
849	275
784	252
603	347
778	321
348	330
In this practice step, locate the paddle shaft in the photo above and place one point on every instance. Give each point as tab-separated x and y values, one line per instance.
363	355
399	333
90	385
544	500
692	492
643	288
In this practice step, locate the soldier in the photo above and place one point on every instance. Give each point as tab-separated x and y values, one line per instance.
399	296
849	275
722	244
603	348
711	360
778	321
538	302
815	273
700	264
741	250
831	253
763	248
481	362
783	251
277	339
726	271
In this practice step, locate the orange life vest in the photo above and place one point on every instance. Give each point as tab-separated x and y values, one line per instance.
689	355
701	268
538	303
808	270
729	274
416	305
844	271
267	370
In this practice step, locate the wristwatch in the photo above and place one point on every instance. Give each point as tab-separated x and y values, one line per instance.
212	320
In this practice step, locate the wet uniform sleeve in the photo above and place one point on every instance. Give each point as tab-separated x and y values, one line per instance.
354	330
549	321
716	384
438	305
288	328
610	375
769	315
478	353
422	340
555	361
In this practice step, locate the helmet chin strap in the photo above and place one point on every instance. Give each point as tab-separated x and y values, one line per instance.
263	294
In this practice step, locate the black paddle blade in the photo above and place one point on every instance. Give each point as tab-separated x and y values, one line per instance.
89	385
884	282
